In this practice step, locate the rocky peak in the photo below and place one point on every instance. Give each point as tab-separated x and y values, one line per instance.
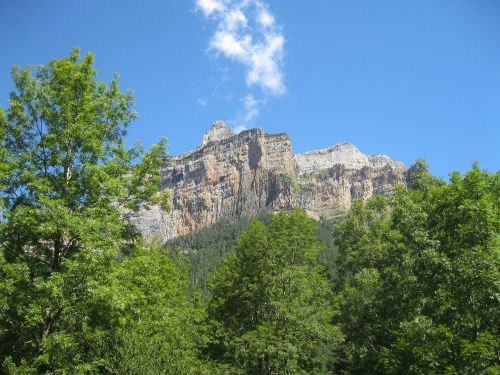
380	161
233	175
345	154
217	132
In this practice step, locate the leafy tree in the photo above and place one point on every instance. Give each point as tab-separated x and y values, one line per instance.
66	178
420	178
420	282
206	247
271	302
161	330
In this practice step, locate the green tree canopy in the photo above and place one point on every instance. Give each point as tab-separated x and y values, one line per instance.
161	330
271	302
421	279
66	178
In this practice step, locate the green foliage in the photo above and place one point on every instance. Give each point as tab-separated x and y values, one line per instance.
420	279
420	178
205	248
160	329
65	178
271	303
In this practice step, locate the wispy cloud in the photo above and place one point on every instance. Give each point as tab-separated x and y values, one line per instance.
251	106
249	114
202	102
210	6
247	32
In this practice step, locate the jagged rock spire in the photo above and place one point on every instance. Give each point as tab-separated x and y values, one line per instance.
217	132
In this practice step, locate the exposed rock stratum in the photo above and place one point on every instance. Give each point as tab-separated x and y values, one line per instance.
230	175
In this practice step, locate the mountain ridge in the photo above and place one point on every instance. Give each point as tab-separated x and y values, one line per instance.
230	175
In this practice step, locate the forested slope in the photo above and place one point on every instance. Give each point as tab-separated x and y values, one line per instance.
205	248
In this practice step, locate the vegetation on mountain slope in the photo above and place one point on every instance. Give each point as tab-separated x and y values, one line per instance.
205	248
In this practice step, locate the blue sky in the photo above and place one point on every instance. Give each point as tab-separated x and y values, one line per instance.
410	79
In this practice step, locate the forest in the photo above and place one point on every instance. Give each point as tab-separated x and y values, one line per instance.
400	284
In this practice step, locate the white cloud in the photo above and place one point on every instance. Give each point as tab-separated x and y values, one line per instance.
251	106
247	33
248	114
234	19
229	45
265	18
210	6
265	70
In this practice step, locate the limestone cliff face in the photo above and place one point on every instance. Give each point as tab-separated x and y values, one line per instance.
231	175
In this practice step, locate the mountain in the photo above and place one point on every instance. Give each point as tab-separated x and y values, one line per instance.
232	175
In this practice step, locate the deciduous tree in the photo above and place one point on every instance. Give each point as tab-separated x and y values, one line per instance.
66	178
271	302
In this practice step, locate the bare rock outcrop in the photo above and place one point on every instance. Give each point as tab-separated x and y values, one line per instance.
231	175
217	132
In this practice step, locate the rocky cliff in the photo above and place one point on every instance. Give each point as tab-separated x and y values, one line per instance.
230	175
